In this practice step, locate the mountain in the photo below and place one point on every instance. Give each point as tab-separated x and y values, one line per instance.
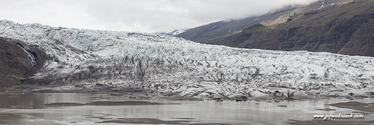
335	26
209	32
344	29
80	60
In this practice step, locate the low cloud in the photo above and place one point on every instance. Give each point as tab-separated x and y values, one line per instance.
135	15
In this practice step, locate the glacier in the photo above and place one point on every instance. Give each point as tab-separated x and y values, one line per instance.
172	33
84	60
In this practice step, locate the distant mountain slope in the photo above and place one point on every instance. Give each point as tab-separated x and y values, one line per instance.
100	61
211	32
345	28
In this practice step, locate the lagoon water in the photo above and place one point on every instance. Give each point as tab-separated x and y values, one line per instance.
78	109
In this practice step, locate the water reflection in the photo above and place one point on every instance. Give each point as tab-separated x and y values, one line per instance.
37	100
31	108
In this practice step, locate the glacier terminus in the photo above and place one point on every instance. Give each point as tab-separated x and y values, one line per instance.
82	60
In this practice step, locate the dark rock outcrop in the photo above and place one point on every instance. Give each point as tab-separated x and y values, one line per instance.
18	61
14	63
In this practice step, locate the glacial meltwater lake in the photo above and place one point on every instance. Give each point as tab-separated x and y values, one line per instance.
107	109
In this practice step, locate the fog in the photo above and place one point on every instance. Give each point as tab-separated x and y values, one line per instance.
135	15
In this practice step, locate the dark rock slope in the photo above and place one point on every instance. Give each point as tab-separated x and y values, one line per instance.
14	62
340	28
211	33
344	29
18	61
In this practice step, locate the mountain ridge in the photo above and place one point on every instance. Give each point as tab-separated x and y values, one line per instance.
323	26
345	31
203	34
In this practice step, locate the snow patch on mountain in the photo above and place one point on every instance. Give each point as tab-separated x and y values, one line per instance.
91	59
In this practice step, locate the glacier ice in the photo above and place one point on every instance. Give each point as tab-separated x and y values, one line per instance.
89	59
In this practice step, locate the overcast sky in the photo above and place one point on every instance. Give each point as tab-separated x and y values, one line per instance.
134	15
